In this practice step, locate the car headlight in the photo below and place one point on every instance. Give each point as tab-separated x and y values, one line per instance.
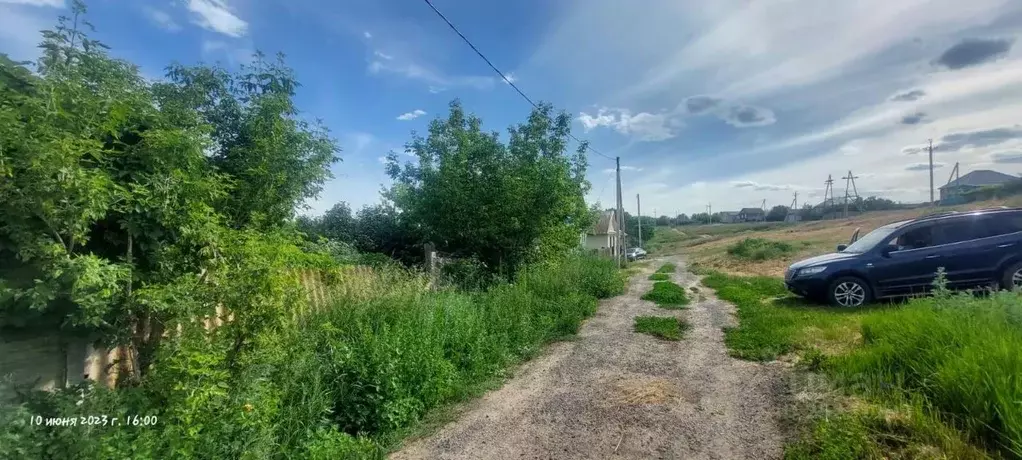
811	271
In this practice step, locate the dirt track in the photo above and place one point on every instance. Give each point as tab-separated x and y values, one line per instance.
614	393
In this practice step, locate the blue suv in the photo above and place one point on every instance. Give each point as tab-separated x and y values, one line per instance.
976	249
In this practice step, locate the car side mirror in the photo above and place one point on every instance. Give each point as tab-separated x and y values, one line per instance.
841	247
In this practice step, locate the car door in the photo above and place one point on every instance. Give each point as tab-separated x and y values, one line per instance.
911	265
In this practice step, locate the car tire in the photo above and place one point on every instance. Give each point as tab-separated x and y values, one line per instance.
1011	279
849	292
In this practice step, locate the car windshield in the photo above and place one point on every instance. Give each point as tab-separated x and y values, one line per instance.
872	239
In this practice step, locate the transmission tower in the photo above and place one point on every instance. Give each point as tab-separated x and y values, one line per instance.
829	191
850	187
793	211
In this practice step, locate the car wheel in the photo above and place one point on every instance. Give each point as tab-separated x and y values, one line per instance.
1012	277
849	291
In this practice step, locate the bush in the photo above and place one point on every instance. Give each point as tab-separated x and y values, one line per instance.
759	249
667	295
660	277
340	383
667	268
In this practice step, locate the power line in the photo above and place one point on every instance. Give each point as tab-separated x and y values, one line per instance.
504	77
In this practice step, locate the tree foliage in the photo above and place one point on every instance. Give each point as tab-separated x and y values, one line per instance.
777	213
503	203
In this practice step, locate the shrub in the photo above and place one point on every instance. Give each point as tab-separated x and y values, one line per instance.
660	277
666	268
667	328
759	249
667	295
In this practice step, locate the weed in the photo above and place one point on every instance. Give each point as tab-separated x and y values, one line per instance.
759	249
667	268
660	277
667	295
667	328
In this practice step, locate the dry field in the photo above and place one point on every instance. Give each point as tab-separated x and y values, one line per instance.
706	245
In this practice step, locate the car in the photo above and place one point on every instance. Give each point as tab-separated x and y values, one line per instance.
976	249
635	254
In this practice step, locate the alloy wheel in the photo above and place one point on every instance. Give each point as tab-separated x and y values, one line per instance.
1016	279
852	294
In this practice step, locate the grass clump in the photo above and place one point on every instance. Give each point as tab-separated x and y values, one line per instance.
660	277
667	268
667	295
666	328
760	249
941	374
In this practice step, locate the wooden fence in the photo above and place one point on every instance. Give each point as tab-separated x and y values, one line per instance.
49	361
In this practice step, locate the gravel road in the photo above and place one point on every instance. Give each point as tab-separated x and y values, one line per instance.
614	393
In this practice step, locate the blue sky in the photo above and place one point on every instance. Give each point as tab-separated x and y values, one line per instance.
728	102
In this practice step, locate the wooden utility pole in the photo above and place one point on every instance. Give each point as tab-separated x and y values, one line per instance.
931	172
638	208
619	251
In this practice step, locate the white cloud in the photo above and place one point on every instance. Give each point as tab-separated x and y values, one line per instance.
366	34
216	16
923	166
411	115
510	78
383	55
217	50
162	19
20	24
48	3
435	79
642	126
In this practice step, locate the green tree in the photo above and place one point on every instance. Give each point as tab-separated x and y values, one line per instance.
504	204
777	213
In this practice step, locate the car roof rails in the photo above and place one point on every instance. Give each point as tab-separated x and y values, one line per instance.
939	214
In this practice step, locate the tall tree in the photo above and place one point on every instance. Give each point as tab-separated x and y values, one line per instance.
505	204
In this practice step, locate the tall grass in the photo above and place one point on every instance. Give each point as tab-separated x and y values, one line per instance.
343	382
667	295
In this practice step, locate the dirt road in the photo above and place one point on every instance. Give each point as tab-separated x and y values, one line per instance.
614	393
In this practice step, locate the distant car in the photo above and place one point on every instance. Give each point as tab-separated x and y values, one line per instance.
976	249
635	254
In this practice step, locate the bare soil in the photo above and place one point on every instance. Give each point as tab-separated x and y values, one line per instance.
614	393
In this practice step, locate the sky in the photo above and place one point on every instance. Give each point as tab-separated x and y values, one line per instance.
727	103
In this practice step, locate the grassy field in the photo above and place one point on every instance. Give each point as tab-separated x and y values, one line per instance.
667	295
938	377
666	328
707	245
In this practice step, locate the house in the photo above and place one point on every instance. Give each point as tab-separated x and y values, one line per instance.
604	235
751	215
728	217
973	181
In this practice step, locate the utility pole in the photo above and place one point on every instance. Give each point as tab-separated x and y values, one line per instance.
618	250
638	207
931	172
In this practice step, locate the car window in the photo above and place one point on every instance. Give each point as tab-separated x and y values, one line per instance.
999	224
917	238
955	231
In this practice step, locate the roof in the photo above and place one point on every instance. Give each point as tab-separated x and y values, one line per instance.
728	213
603	223
980	178
751	211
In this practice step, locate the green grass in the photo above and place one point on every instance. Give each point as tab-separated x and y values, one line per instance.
660	277
667	268
759	249
667	328
947	370
667	295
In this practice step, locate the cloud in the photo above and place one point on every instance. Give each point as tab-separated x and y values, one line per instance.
643	126
383	55
913	119
697	105
49	3
763	187
235	55
923	166
366	34
974	51
214	15
908	96
510	78
1011	156
913	149
745	116
623	168
435	79
411	115
162	18
978	139
436	89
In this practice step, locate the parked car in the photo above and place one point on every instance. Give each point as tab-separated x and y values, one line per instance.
635	254
976	249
